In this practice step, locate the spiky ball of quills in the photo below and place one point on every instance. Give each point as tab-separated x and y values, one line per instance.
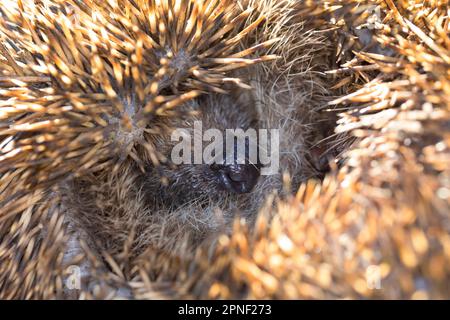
387	206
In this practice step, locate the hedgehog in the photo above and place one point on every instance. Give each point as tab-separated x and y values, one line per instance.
92	90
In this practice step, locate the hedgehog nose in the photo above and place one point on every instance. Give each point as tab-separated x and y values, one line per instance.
238	178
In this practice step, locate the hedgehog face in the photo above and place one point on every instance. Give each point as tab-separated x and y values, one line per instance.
224	177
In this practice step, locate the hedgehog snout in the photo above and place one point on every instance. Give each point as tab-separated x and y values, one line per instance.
237	178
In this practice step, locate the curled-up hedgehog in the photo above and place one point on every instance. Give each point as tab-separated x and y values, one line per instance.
95	96
92	92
